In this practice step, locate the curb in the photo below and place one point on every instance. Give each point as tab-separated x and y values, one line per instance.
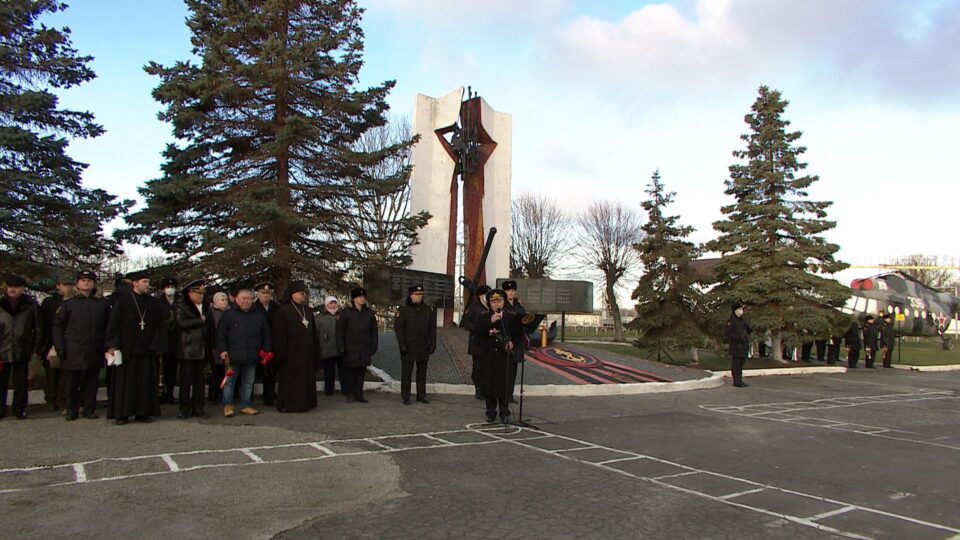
766	372
947	367
576	390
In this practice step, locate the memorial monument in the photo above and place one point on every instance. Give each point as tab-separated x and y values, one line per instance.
462	140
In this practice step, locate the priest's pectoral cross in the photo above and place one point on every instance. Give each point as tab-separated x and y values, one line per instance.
143	326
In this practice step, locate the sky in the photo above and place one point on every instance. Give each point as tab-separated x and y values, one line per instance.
602	93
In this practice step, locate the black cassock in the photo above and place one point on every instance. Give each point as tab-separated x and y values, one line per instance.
295	349
134	329
494	371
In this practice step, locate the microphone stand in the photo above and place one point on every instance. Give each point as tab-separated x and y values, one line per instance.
519	421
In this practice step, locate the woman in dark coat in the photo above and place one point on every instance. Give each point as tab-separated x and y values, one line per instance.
295	351
357	340
20	313
738	332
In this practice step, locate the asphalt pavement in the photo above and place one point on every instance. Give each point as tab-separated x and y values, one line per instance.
865	454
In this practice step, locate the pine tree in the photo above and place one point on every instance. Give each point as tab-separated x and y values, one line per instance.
48	220
270	122
771	242
669	304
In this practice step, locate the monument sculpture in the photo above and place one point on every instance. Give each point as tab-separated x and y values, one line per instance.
462	140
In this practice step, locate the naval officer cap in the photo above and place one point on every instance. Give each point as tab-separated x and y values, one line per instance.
415	289
86	274
169	281
138	275
265	286
509	285
199	285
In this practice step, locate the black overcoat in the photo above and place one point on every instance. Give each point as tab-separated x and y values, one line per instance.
80	332
738	332
357	338
416	329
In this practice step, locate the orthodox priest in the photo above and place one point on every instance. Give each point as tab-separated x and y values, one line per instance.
295	350
134	329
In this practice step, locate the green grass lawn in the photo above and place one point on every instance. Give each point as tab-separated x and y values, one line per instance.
914	353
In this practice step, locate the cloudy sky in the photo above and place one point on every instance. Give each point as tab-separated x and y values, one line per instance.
602	93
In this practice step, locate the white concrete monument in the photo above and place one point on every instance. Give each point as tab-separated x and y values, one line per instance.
461	140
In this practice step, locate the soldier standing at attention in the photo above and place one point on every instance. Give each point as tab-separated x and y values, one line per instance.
54	392
266	305
416	329
79	337
513	307
887	340
738	332
853	341
357	340
870	332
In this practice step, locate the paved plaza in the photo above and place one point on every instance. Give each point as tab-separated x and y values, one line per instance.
866	454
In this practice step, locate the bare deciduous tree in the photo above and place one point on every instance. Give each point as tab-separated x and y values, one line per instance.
376	222
608	233
926	270
539	236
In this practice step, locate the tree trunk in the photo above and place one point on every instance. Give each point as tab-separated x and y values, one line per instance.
615	309
776	340
694	355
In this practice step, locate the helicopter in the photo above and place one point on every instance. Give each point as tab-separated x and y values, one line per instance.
918	309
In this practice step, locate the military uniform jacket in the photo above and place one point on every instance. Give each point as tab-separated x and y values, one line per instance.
416	329
194	331
123	327
470	321
22	323
887	336
517	311
852	337
870	334
80	332
357	339
738	332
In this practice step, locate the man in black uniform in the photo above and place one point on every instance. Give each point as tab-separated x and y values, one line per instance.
854	343
135	329
54	391
515	309
19	314
168	359
870	335
266	304
79	336
416	329
469	321
888	340
738	332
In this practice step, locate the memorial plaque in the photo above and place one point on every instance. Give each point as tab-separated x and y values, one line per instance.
389	286
554	296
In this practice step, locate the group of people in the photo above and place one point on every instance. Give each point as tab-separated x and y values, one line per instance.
194	340
217	342
872	338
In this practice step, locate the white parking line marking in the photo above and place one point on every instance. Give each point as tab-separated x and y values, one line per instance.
741	493
174	467
798	407
730	499
831	513
253	457
323	449
79	473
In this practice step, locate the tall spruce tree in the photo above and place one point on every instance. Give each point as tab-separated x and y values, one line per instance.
269	121
771	242
670	307
48	220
